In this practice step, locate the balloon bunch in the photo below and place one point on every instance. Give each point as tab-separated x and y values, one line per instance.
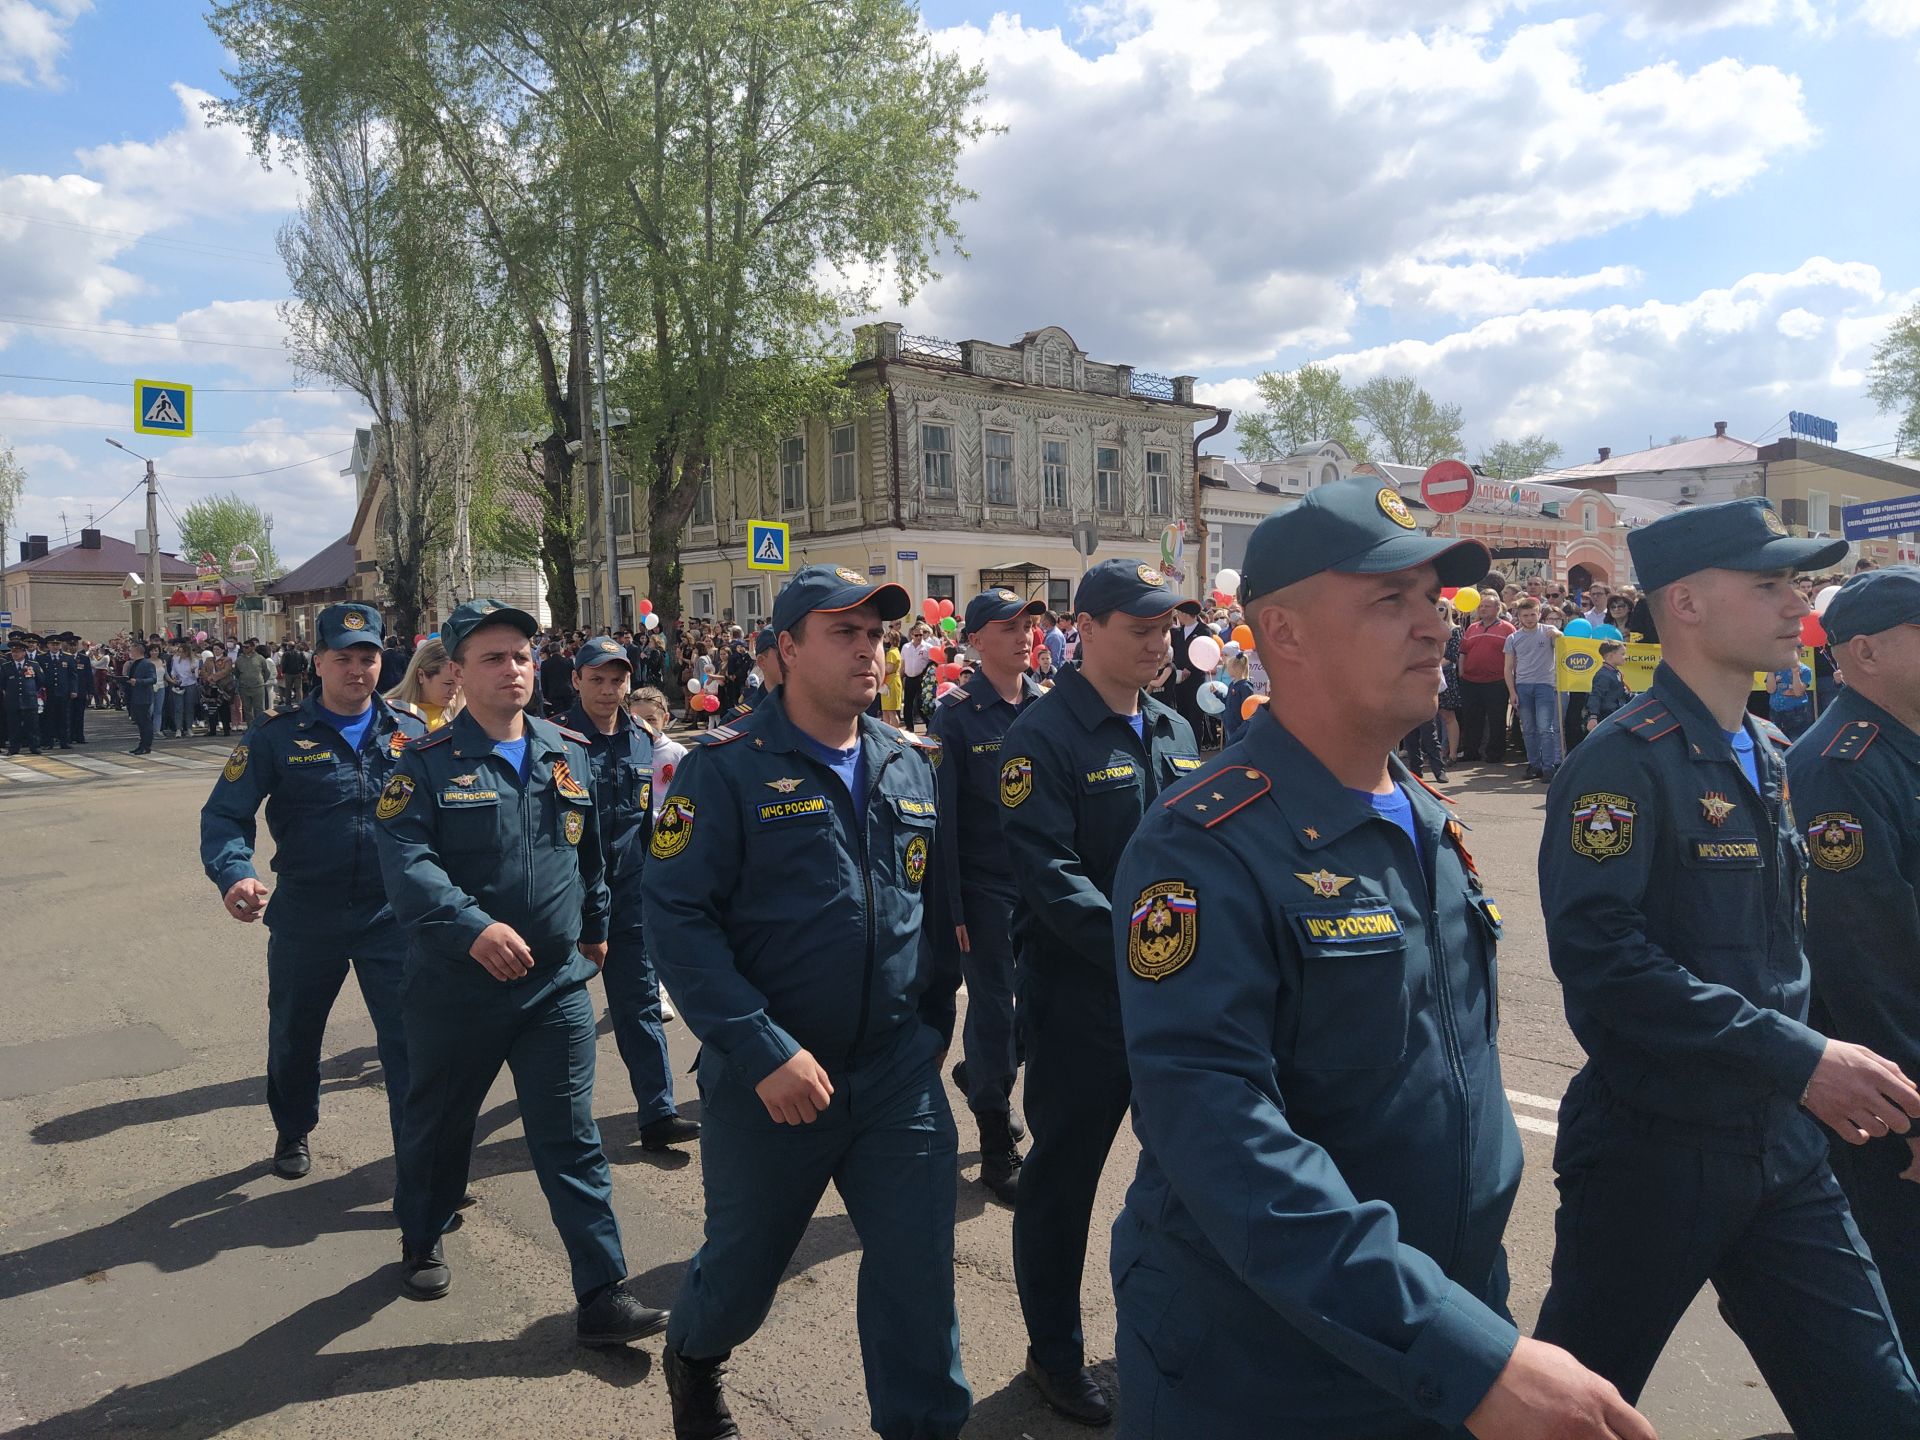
939	614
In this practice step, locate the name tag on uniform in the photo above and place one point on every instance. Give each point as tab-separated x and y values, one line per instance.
316	757
915	807
1742	851
1352	928
775	810
986	747
1185	762
469	797
1110	774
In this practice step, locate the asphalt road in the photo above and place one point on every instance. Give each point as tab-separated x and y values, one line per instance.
156	1279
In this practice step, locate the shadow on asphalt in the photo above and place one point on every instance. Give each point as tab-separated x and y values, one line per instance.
1017	1409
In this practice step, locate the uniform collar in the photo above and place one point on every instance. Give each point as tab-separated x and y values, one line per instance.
774	730
1852	705
1085	705
470	742
578	719
1318	808
984	693
309	712
1706	741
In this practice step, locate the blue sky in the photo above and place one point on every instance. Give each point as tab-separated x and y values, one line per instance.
1600	222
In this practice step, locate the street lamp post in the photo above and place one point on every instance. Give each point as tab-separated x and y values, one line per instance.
152	609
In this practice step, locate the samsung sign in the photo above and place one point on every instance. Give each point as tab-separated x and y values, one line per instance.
1812	427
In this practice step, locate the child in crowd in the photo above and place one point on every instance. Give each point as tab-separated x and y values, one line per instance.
1610	690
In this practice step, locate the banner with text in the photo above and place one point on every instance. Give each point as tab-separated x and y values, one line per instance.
1576	660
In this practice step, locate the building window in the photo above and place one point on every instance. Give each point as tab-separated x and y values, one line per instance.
622	504
700	601
703	498
1059	596
841	488
936	459
1588	523
1329	473
793	475
1106	479
746	605
1159	482
1053	474
999	467
942	587
1817	516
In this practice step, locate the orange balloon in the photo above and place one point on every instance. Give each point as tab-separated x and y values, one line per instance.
1243	636
1251	704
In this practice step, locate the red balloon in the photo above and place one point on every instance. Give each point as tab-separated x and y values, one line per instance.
1447	592
949	672
931	609
946	608
1034	659
646	607
936	655
1221	597
713	704
1812	632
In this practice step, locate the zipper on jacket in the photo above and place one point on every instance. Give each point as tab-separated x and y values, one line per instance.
866	879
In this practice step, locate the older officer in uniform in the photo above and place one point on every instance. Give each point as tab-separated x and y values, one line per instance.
620	749
1306	960
491	848
320	769
22	681
783	902
1077	769
1672	873
1856	776
976	891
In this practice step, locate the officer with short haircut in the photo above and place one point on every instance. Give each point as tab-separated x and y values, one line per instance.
620	750
490	843
1673	875
22	681
783	902
1077	769
61	680
1856	776
976	892
320	769
80	689
766	660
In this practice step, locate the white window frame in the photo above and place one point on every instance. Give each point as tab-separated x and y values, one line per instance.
700	602
1056	475
1109	483
702	517
1819	507
944	587
793	475
1159	482
622	503
843	475
1589	520
936	461
754	611
1000	466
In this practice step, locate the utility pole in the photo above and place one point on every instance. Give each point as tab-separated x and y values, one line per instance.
612	569
151	624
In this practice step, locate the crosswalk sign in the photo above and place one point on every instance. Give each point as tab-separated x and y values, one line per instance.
767	545
163	407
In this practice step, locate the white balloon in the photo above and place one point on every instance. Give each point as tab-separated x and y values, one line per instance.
650	620
1203	653
1212	698
1227	580
1230	649
1824	599
693	685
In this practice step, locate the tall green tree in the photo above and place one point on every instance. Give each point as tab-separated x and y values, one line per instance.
215	524
1300	407
1893	377
1519	459
13	483
1405	424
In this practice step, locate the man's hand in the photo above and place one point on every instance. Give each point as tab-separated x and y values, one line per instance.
1858	1095
1546	1394
245	900
596	952
960	935
501	950
797	1092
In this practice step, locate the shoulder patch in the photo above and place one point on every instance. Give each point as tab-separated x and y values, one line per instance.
1649	721
236	765
1852	741
438	737
1226	792
1164	930
1836	840
1603	825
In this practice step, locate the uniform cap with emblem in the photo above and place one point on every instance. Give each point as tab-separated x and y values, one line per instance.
1875	601
1357	526
997	604
600	650
1127	586
834	588
473	614
342	625
1736	535
767	639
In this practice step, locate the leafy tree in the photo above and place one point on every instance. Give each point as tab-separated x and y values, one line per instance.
1519	459
1298	408
1893	377
1405	424
217	523
13	481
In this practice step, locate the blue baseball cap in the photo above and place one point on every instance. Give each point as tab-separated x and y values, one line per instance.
1127	586
1735	535
1357	526
991	605
342	625
1874	601
470	616
600	650
767	639
833	588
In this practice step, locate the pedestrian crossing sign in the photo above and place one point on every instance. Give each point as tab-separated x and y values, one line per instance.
767	545
163	407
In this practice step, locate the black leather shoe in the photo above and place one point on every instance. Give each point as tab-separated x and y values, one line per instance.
1000	1159
699	1400
668	1131
959	1074
291	1159
613	1317
1073	1395
425	1277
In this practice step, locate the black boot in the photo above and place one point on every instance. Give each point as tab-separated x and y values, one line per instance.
291	1159
699	1400
668	1131
425	1277
1000	1159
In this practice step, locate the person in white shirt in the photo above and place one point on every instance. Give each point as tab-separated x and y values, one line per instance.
913	665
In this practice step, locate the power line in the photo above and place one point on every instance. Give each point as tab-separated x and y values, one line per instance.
198	389
249	474
96	522
136	334
64	424
134	237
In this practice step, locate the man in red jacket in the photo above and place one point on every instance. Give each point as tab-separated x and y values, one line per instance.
1483	684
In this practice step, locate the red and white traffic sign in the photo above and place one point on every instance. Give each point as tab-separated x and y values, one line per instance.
1446	487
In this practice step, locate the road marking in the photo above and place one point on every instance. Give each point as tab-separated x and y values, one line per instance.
14	770
1539	1127
46	765
1534	1102
101	766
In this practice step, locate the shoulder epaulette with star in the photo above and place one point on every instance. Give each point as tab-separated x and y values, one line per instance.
1772	732
1649	721
437	737
1225	792
1852	741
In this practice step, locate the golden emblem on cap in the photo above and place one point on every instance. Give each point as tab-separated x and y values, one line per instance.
353	620
852	577
1151	576
1393	507
1773	520
1007	595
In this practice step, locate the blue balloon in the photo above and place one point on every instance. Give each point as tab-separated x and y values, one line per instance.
1212	698
1578	629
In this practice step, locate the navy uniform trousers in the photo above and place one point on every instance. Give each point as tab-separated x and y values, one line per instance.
1653	1209
633	1005
987	1039
459	1034
887	1143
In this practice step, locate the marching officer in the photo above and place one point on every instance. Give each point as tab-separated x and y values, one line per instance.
320	769
1855	776
766	664
58	662
81	689
783	902
1673	875
1306	962
22	681
620	750
976	892
1078	768
491	849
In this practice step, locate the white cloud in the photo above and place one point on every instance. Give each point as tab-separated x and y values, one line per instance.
1478	288
199	169
1690	17
34	37
1898	18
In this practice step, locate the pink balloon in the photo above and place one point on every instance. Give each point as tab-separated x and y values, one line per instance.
1203	653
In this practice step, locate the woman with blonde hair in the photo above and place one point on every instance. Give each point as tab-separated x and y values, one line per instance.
429	685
